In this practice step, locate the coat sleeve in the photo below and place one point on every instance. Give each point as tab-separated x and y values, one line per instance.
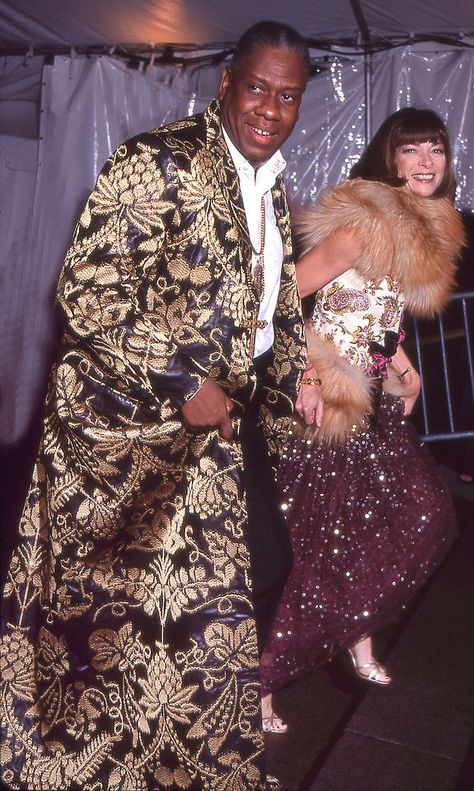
122	304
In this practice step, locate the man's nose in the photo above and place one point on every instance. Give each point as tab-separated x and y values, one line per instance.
269	106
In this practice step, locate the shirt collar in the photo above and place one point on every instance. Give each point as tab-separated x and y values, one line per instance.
266	173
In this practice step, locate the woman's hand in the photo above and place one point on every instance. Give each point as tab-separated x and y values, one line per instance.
412	382
309	404
409	377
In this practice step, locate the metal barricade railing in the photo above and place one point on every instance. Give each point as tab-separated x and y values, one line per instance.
447	397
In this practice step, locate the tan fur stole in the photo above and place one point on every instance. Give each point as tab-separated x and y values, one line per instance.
413	240
345	388
346	391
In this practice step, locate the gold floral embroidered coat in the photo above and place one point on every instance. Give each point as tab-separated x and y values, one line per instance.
129	655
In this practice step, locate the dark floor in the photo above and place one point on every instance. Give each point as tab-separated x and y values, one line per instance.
416	734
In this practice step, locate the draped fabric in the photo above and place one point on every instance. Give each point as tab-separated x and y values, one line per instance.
129	657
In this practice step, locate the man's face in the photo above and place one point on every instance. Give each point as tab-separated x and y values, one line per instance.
260	101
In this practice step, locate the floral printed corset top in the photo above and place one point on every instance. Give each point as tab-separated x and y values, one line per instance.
362	318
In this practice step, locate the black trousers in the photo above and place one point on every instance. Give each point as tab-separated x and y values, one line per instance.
271	555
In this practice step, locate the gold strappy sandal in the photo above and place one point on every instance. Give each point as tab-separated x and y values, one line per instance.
373	672
274	724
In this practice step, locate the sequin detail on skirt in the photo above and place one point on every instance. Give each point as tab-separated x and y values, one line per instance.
369	521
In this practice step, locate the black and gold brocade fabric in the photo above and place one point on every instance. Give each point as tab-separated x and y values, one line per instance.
129	656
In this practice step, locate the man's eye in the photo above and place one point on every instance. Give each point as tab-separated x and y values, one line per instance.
288	97
254	88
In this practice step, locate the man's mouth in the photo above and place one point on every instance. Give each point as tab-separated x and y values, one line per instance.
263	133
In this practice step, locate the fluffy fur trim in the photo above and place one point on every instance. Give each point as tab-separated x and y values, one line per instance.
413	240
345	388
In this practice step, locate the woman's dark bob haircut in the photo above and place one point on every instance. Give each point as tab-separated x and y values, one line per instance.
268	33
408	125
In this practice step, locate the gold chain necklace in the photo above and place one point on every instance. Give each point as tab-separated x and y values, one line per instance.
259	269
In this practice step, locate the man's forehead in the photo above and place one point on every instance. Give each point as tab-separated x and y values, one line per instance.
283	63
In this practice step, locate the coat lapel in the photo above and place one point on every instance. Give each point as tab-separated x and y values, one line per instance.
227	172
282	215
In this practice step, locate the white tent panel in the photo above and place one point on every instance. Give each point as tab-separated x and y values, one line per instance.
73	23
429	17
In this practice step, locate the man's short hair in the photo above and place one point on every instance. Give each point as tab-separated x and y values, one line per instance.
268	33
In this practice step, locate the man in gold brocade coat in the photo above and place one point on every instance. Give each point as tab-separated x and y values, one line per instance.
129	653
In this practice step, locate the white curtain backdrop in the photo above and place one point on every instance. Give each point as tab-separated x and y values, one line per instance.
331	131
90	105
441	79
330	134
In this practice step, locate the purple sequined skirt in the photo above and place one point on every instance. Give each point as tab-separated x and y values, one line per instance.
369	521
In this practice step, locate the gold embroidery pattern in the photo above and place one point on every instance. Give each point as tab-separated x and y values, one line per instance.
129	656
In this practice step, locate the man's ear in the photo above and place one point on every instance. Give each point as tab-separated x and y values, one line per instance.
226	80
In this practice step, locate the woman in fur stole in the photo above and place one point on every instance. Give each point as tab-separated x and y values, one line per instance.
369	516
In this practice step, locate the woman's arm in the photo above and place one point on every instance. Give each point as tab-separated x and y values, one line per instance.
410	378
315	269
326	261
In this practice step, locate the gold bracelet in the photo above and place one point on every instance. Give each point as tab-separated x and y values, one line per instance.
311	380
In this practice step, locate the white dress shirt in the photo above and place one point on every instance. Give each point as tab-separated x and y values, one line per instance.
254	185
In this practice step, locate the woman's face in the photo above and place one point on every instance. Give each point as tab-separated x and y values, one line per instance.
422	165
